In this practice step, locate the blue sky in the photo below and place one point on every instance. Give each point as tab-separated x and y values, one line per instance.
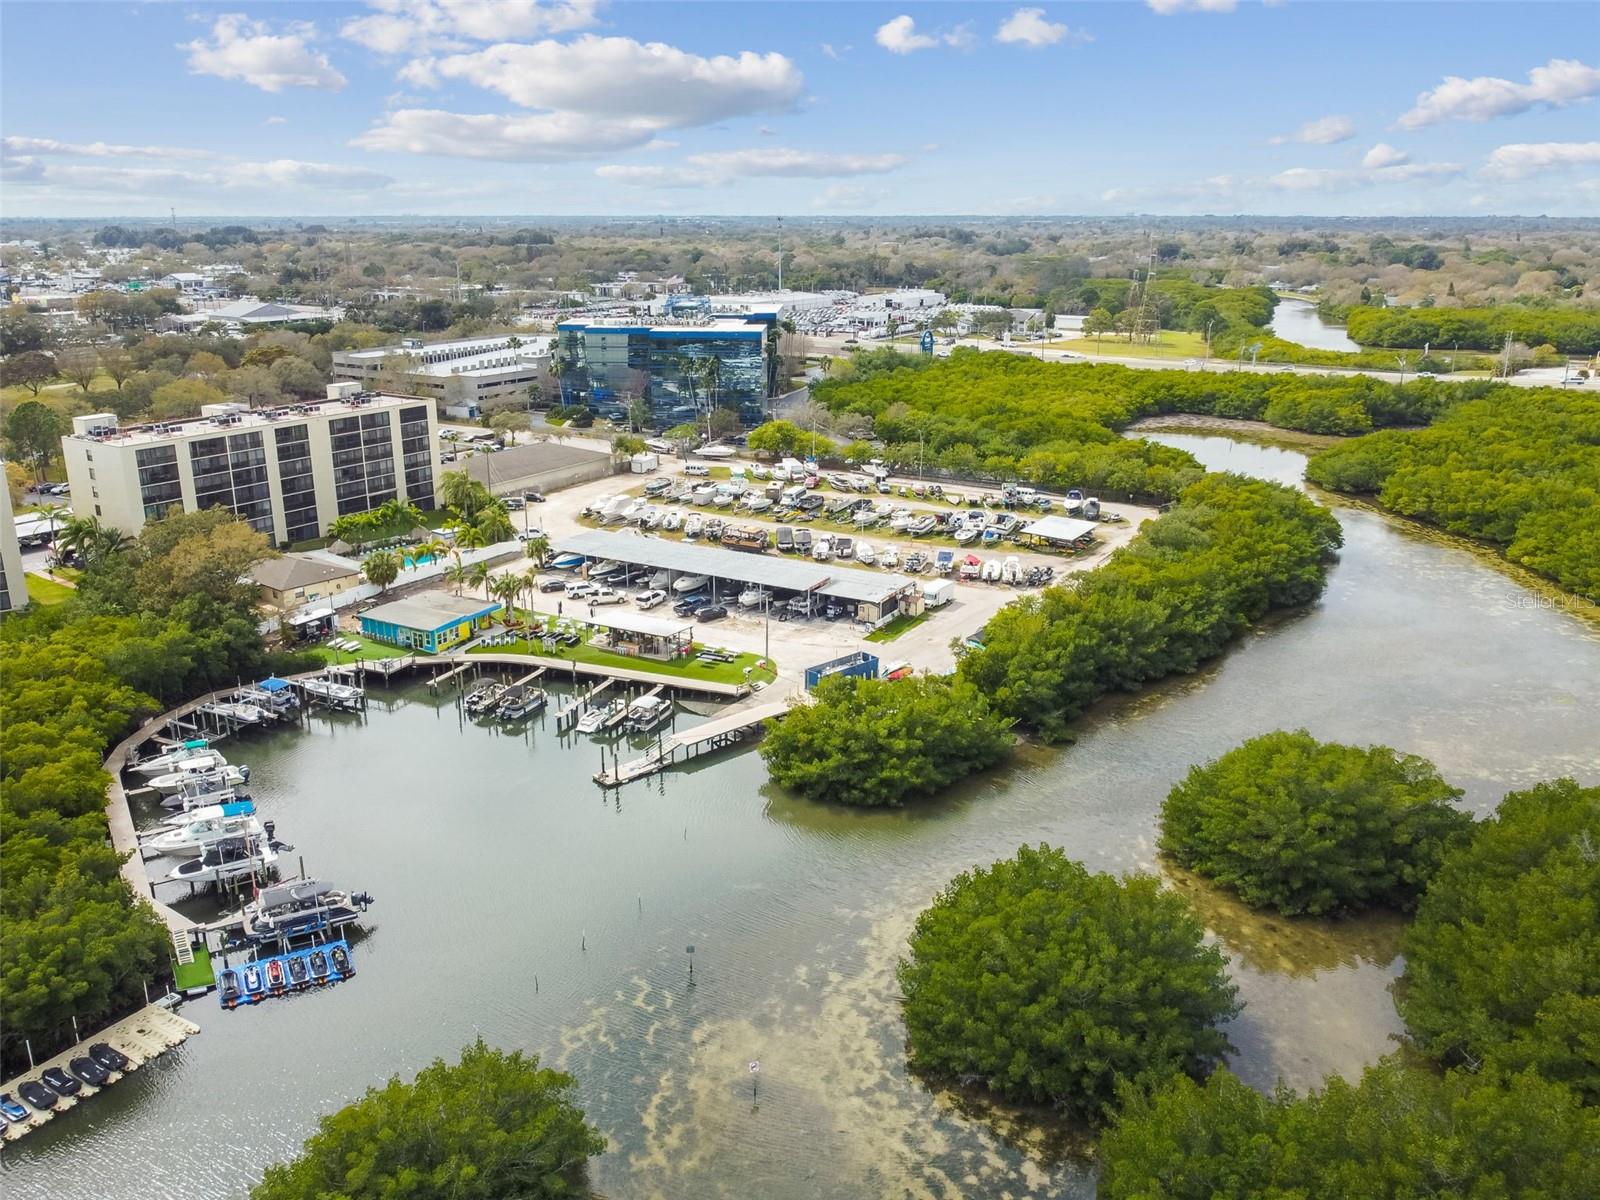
586	107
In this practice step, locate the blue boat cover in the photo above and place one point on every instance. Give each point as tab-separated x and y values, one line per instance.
273	684
238	808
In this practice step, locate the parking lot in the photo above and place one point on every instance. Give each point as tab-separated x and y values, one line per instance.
797	644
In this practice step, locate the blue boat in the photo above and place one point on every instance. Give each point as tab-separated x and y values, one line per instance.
566	562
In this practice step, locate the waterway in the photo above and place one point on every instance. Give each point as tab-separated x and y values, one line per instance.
516	902
1297	321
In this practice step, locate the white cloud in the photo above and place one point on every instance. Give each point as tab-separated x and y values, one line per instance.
1559	82
276	121
35	145
619	77
832	52
1168	7
719	167
1521	159
420	26
1028	27
1215	187
246	50
1324	131
899	36
278	175
515	137
292	173
845	197
1384	155
1332	179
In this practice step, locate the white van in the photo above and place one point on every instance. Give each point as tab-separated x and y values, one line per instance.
696	469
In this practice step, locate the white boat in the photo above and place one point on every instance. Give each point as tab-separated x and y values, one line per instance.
333	693
673	521
300	908
1011	570
692	526
716	451
217	777
965	534
603	717
823	550
901	520
201	792
990	571
865	554
647	713
228	858
754	597
245	714
890	558
161	764
689	583
759	504
190	839
722	499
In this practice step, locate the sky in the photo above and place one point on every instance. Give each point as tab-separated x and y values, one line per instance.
583	107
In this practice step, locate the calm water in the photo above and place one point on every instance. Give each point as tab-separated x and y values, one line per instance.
515	901
1297	321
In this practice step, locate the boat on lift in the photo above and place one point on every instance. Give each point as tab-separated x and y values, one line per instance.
301	907
214	780
520	702
227	858
190	838
196	755
648	713
603	717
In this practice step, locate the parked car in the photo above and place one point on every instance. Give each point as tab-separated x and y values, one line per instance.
697	469
108	1056
59	1082
552	585
607	596
533	497
689	605
711	612
89	1071
579	588
513	503
36	1094
651	598
10	1109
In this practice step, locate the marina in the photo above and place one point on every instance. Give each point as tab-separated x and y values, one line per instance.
726	730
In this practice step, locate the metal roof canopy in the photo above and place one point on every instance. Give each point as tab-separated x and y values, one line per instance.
865	587
1060	529
796	575
632	622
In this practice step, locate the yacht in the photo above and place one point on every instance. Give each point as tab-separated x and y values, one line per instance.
603	717
648	713
237	819
227	858
201	781
300	907
197	752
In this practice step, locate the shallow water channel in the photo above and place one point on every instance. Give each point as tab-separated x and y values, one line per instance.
1298	321
515	901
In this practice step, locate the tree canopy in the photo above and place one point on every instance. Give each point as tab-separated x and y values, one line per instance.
1400	1134
1303	826
1503	959
491	1126
1519	468
1048	984
1230	551
872	742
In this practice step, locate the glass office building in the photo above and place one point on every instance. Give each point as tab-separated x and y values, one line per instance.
608	365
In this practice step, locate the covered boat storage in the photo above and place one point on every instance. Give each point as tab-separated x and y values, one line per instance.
1062	531
876	595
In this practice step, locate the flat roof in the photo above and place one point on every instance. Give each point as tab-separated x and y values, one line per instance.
1060	529
865	586
717	325
795	575
255	418
430	611
505	470
637	622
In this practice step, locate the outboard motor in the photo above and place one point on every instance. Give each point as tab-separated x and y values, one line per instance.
270	828
244	773
360	900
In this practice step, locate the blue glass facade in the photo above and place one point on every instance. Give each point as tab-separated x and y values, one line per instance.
608	366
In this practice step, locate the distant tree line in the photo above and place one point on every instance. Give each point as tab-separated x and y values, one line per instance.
1570	331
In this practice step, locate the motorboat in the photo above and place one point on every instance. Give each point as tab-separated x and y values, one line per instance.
673	521
566	562
333	693
686	584
201	781
971	567
653	517
990	571
822	551
754	597
991	536
866	555
1091	509
965	534
190	840
692	525
714	528
759	504
243	714
717	451
901	520
844	546
722	498
166	763
1011	570
648	713
228	987
300	907
483	698
520	702
603	717
204	760
890	558
226	858
922	525
944	561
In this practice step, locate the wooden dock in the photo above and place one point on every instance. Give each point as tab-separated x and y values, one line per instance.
146	1035
726	730
573	711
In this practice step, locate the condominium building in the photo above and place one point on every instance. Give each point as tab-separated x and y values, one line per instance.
289	471
467	377
608	364
13	584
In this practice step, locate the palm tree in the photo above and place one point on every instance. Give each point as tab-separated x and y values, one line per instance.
494	523
468	537
689	371
381	567
478	573
89	540
529	580
505	588
456	576
537	548
711	374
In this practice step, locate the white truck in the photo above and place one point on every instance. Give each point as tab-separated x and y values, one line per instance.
643	464
936	593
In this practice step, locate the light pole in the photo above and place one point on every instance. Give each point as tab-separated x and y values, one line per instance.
1401	359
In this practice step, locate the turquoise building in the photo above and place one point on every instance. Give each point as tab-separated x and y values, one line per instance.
430	622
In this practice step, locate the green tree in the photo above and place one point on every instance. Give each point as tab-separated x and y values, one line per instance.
508	422
1048	984
1401	1134
627	443
537	548
682	437
878	742
466	495
1098	323
80	364
493	1125
1303	826
776	438
1503	959
31	369
35	432
478	575
381	567
183	398
638	415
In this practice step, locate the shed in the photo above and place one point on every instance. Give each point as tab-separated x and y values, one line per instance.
429	622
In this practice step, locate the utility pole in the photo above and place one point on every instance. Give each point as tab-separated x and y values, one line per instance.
780	254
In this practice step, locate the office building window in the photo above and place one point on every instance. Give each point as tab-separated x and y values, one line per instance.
363	462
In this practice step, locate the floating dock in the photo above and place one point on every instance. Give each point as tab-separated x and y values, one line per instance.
726	730
146	1035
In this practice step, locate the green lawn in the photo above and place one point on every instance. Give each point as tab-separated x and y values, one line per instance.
1170	343
46	591
369	650
901	624
692	668
197	974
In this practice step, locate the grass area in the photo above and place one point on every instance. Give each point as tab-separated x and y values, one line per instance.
691	668
369	650
901	624
46	591
196	974
1169	344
